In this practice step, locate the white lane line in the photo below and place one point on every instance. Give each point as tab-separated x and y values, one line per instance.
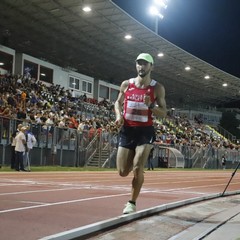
89	183
182	182
62	203
84	187
38	191
175	192
30	202
116	188
196	187
13	184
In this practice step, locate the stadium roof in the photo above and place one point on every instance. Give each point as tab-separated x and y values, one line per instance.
93	43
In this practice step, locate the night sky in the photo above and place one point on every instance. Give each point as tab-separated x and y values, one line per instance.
208	29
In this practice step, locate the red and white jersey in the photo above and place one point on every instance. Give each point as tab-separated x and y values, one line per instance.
136	112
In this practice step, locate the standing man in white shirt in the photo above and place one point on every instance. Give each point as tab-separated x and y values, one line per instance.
13	144
20	148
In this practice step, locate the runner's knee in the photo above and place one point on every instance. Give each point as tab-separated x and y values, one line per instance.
137	170
123	173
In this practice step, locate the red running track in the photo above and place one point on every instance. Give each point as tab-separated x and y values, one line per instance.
38	204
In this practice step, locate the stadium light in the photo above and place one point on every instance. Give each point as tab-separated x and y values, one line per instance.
156	10
128	36
187	68
161	54
87	9
161	3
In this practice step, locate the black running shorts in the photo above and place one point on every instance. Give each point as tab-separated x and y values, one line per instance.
130	137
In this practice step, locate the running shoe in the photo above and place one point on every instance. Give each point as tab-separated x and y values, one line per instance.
129	208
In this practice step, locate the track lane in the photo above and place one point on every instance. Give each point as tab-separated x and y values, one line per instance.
55	202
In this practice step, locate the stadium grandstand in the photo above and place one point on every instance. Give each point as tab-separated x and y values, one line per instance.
60	74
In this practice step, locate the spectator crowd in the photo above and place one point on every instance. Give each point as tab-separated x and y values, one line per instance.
29	100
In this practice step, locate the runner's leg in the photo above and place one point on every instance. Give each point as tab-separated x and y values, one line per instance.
125	161
141	156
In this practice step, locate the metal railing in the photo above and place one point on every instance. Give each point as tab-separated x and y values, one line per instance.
69	147
226	134
56	146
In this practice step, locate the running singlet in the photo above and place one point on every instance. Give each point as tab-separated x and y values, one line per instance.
136	112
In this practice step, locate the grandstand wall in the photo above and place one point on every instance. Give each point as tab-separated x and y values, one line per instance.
98	89
24	64
6	54
211	117
107	91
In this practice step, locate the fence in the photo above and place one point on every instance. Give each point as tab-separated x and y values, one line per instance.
208	157
69	147
59	146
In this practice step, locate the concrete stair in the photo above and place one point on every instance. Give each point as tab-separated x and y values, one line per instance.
99	159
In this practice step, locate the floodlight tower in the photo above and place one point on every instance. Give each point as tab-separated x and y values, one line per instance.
156	10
